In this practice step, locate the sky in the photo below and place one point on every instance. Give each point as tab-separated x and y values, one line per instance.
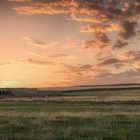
50	43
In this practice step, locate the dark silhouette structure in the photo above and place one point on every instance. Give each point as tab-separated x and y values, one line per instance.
26	92
5	93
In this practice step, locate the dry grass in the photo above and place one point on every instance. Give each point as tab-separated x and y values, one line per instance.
98	116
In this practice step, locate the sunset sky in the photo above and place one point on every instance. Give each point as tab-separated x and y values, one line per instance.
48	43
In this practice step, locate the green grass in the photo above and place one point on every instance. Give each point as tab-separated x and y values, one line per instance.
54	121
104	92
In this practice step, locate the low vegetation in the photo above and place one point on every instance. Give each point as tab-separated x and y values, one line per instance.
55	121
83	115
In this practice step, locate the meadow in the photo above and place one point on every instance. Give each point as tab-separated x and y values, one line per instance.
73	116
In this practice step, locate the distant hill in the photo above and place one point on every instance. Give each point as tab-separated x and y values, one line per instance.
85	87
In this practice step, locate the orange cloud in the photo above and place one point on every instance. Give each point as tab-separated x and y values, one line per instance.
4	63
38	62
38	43
132	55
100	42
112	24
79	11
103	28
120	44
109	16
19	0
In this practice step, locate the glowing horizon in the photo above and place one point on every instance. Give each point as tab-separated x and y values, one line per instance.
51	43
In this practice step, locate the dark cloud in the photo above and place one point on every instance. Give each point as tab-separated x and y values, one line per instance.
100	42
104	75
38	43
120	44
128	73
112	3
61	56
128	29
38	62
116	63
132	55
78	68
4	63
109	61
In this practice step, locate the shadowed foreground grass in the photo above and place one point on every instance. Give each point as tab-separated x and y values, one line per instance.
46	121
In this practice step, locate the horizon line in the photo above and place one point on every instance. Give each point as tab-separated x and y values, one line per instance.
98	85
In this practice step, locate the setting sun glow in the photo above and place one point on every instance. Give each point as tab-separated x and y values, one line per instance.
69	42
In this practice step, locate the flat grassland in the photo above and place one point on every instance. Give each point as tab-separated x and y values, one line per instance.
88	115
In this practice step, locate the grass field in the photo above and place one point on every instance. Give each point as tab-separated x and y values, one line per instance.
70	119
